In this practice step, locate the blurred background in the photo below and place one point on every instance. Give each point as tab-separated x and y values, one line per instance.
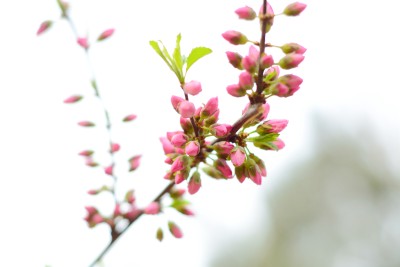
331	197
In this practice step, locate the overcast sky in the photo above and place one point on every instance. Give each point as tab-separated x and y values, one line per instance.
350	71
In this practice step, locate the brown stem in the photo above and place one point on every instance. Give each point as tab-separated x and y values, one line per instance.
262	47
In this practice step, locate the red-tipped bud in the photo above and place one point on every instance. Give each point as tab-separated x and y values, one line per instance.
86	153
86	124
272	126
192	148
44	27
238	156
92	192
186	125
291	61
240	173
294	9
167	146
114	147
267	61
179	139
134	162
73	99
272	73
129	117
109	170
210	108
253	171
186	109
235	90
106	34
152	208
235	59
249	64
223	167
279	89
83	42
220	130
293	48
246	13
235	37
194	183
292	82
175	230
279	144
246	80
192	87
179	177
178	165
176	100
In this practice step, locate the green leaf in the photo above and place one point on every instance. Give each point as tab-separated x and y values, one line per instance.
196	54
264	138
179	203
156	48
173	67
178	56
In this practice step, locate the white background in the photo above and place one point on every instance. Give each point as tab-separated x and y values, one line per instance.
350	71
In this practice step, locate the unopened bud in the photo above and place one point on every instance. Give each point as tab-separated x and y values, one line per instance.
106	34
294	9
246	13
235	37
129	117
44	27
73	99
291	61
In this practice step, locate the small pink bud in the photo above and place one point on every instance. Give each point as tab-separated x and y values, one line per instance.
83	42
266	61
238	156
178	165
174	229
249	64
272	73
44	27
109	170
246	13
192	87
272	126
130	197
179	139
194	183
210	108
280	89
235	59
134	162
223	167
192	148
117	210
86	153
279	144
186	125
93	192
130	117
179	177
235	90
114	147
291	61
186	109
292	82
176	100
167	146
96	219
293	48
223	148
235	37
90	162
187	211
253	171
73	99
91	210
240	173
294	9
86	124
106	34
246	80
152	208
269	17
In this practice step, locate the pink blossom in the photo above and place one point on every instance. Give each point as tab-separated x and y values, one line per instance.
238	156
235	90
152	208
186	109
294	9
83	42
109	170
290	61
178	164
179	139
106	34
246	80
129	117
114	147
246	13
235	37
211	107
192	148
179	177
175	230
267	61
167	146
134	162
219	130
44	27
176	100
235	59
194	183
73	99
192	87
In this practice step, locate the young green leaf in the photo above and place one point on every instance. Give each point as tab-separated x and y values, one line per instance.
178	56
156	48
196	54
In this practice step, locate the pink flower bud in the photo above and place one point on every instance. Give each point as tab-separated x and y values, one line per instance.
130	117
279	144
293	48
186	109
235	59
73	99
134	162
266	61
91	210
86	153
294	9
130	197
83	42
109	170
253	171
192	87
291	61
249	64
292	82
235	37
260	164
246	13
235	90
174	229
106	34
179	139
269	17
44	27
186	125
179	177
178	164
272	73
246	80
90	162
92	192
86	124
114	147
210	108
223	148
280	89
223	167
97	218
167	146
272	126
240	173
192	148
152	208
176	100
238	156
194	183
